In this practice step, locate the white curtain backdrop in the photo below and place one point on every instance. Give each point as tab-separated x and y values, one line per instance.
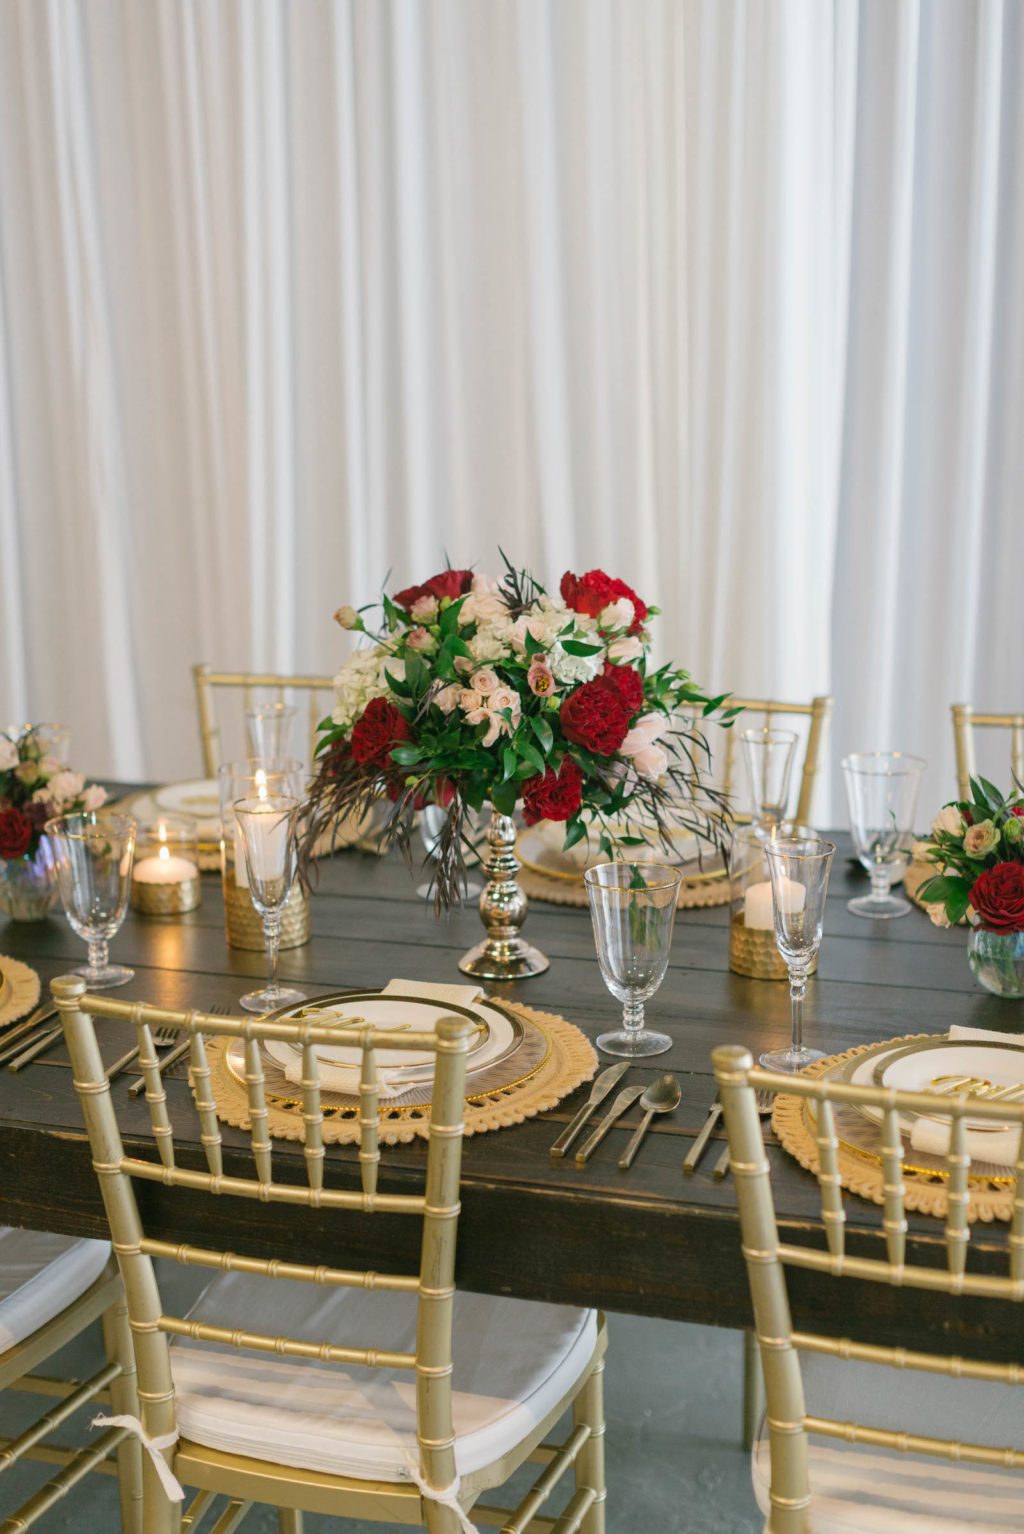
718	295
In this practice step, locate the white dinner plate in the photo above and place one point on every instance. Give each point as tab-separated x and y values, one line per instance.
498	1035
200	798
914	1068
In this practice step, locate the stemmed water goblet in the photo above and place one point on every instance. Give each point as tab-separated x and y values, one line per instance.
633	909
799	868
267	828
92	854
768	757
881	790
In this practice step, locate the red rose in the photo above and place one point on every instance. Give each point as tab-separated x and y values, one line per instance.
450	583
628	683
15	833
378	728
553	796
998	897
595	716
591	593
1018	810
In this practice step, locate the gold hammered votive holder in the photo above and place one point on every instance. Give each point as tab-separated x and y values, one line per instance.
165	872
244	925
753	950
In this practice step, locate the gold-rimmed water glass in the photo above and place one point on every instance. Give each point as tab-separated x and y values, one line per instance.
633	910
768	758
799	869
92	854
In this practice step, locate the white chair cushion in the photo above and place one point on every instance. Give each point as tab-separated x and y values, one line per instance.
40	1275
861	1490
514	1361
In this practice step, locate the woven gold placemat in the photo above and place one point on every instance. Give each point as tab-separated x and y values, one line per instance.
569	1060
568	892
19	989
925	1191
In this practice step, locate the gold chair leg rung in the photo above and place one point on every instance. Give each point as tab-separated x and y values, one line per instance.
546	1483
231	1517
61	1484
46	1423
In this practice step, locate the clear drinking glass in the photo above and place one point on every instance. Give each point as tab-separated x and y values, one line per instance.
93	854
799	868
269	729
633	909
267	828
881	790
768	756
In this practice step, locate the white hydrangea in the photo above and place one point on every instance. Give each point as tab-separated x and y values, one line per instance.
363	676
491	642
573	669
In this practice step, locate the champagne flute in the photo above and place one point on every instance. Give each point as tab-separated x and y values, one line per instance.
799	868
768	757
268	727
267	827
881	790
92	854
633	909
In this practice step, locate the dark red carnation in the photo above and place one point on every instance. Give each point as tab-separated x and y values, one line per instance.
595	716
591	593
628	683
553	795
379	727
15	833
998	897
410	595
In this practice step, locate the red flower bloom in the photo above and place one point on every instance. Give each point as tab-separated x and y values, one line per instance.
379	727
998	897
450	583
15	833
595	716
592	592
553	795
628	683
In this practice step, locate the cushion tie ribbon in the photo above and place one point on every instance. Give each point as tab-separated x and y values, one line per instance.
447	1496
170	1483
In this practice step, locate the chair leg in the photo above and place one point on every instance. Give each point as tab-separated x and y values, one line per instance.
753	1389
588	1409
117	1339
289	1520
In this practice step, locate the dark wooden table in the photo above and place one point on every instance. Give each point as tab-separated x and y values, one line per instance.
648	1242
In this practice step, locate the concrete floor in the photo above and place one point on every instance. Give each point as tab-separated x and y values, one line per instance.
675	1466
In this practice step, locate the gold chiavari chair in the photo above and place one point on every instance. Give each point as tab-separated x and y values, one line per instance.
766	712
883	1477
434	1397
964	722
209	682
51	1289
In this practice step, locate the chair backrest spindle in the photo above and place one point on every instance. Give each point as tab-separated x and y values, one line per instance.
209	683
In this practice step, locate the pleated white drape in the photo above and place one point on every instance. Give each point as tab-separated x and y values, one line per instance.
717	295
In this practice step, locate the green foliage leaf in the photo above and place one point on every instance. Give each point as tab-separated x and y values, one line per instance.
529	752
543	732
533	646
575	831
508	759
503	797
406	756
579	647
956	906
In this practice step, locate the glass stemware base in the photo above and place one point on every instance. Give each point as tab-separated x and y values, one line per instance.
102	977
789	1059
634	1043
270	998
880	907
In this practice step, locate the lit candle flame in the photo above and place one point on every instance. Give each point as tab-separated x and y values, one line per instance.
165	853
261	783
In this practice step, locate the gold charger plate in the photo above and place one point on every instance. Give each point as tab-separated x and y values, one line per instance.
551	870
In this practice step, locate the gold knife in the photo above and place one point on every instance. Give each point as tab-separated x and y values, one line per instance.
603	1084
625	1099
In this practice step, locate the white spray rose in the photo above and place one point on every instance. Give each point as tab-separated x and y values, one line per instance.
502	698
650	762
347	617
949	819
485	681
484	603
626	648
447	699
424	609
644	733
64	786
618	614
8	755
93	797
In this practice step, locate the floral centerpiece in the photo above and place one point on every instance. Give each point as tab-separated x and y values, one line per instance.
475	689
978	846
34	788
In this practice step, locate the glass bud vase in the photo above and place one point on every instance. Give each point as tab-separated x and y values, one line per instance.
997	961
28	885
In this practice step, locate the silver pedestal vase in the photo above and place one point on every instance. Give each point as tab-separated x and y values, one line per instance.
502	955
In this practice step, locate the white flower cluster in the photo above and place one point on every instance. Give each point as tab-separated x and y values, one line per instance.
63	789
363	676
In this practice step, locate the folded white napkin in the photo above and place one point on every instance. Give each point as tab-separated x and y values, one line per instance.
345	1078
998	1146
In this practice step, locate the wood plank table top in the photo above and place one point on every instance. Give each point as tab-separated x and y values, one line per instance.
649	1241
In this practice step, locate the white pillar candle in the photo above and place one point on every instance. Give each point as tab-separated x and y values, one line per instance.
165	869
266	841
758	903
